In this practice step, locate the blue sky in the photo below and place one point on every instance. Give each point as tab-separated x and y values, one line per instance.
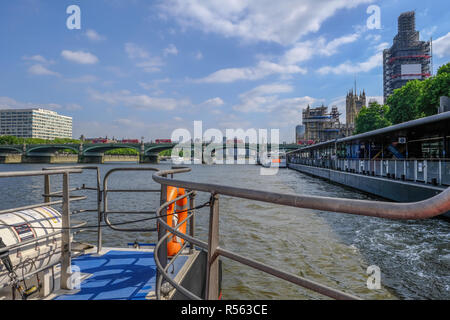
144	68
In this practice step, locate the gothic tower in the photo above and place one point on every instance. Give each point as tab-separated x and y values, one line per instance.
353	106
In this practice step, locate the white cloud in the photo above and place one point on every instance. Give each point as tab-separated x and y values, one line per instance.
80	57
287	65
154	84
94	36
262	70
74	107
428	32
128	128
213	102
266	89
118	72
139	101
265	98
40	70
199	55
303	51
38	58
171	50
10	103
232	121
284	22
441	46
150	65
144	60
373	37
135	52
350	67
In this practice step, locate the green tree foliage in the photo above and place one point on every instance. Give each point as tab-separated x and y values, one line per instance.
123	151
15	140
403	102
444	69
371	118
417	99
432	89
168	153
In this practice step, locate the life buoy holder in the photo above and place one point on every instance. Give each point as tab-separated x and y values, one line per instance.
176	212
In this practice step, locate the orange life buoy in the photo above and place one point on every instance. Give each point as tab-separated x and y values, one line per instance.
174	216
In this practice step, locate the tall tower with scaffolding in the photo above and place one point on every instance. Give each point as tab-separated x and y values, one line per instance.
408	58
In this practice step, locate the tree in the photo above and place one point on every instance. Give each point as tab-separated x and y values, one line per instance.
371	118
417	99
403	103
432	89
444	69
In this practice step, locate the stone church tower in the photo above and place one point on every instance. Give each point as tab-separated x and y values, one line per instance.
354	104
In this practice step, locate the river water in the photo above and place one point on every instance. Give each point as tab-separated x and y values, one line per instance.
331	248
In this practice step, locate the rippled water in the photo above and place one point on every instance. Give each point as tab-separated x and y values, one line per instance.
331	248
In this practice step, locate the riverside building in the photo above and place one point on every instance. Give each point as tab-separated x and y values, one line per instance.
35	123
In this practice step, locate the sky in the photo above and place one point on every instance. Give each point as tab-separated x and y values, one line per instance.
142	68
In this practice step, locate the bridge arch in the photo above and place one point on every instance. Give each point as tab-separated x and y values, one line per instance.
97	149
6	149
156	149
50	148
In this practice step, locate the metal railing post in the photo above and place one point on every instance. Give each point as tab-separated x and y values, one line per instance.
212	269
99	213
395	169
192	221
162	253
65	237
47	188
440	173
415	170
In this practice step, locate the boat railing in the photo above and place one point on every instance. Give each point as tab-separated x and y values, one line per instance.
103	192
106	191
418	210
48	194
65	230
429	171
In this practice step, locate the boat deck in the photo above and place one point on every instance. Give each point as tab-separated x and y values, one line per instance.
118	274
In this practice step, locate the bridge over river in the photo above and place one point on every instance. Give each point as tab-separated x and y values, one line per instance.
95	152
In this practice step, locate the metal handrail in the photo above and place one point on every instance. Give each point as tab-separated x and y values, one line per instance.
66	254
163	270
434	206
424	209
48	195
106	212
12	174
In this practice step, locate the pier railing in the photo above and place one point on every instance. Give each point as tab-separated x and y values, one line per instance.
64	231
428	171
417	210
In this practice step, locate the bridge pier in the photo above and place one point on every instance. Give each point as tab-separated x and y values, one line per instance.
149	158
69	158
95	159
11	158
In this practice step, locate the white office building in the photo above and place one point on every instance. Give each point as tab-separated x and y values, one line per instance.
35	123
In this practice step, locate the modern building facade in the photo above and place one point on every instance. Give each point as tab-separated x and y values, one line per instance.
300	134
353	105
35	123
408	58
321	125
